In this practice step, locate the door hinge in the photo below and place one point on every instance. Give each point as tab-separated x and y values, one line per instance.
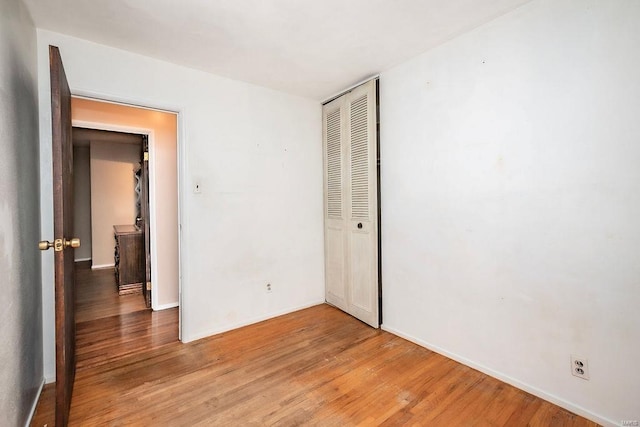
145	156
148	286
58	245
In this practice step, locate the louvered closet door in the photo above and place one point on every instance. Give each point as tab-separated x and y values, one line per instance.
362	196
335	210
351	237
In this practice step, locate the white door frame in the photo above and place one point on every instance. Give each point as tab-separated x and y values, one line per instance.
180	159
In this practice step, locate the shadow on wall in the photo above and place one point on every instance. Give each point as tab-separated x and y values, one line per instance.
20	260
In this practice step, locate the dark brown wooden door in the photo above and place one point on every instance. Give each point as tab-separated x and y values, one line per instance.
144	207
62	228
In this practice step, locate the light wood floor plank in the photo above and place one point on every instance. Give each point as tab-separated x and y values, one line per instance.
317	366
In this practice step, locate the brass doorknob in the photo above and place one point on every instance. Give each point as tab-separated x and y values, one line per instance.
59	244
43	245
74	243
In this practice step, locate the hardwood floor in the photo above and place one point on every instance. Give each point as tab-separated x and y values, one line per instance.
97	298
313	367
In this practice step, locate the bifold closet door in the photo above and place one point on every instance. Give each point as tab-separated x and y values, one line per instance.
351	229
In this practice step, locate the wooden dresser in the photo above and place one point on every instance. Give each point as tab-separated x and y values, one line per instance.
129	259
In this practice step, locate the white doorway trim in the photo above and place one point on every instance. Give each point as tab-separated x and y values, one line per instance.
152	189
180	160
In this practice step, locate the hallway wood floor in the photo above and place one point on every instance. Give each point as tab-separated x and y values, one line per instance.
313	367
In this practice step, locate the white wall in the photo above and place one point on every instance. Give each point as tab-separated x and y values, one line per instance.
113	200
511	201
20	318
258	156
82	201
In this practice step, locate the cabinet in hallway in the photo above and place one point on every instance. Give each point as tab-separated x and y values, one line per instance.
129	259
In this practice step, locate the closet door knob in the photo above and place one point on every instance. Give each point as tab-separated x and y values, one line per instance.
359	225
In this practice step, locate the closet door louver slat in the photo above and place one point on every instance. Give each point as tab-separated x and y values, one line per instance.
334	165
359	159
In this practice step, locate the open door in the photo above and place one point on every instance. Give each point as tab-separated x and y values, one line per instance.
144	208
62	155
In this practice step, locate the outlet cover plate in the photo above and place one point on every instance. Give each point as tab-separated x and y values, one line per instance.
580	367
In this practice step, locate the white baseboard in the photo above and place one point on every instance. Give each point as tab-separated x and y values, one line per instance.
576	409
100	266
82	259
34	405
165	306
226	328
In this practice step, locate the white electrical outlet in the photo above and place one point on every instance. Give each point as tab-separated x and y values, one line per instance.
580	367
268	287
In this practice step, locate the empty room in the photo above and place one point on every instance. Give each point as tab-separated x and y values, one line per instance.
419	212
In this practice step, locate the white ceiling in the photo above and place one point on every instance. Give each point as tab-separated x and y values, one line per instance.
312	48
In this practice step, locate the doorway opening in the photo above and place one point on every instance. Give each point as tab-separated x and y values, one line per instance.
158	130
111	190
126	165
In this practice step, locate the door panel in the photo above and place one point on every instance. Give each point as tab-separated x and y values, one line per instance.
334	156
363	232
335	267
62	155
360	272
